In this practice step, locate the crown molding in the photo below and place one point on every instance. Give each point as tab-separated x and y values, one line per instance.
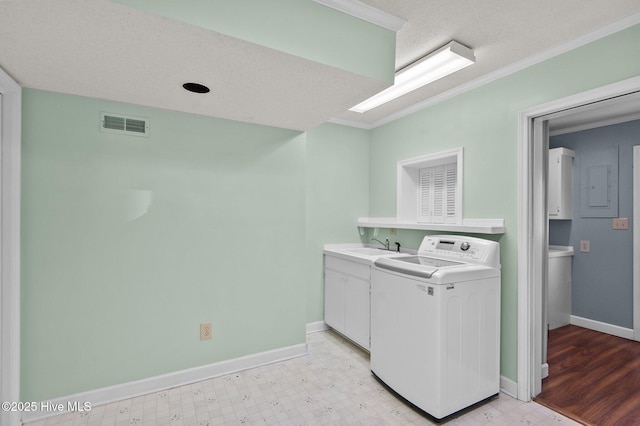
365	12
350	123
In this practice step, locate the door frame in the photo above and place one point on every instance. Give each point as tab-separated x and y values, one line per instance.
636	242
532	248
10	169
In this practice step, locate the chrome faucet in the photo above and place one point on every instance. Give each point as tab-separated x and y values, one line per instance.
385	244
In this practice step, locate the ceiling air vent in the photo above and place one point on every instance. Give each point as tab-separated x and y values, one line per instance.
127	125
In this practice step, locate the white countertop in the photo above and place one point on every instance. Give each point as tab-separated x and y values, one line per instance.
343	250
560	251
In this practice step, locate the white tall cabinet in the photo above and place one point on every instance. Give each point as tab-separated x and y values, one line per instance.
559	185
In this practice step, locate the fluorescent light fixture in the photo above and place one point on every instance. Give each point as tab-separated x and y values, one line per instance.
444	61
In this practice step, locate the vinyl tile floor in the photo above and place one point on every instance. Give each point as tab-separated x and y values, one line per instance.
332	385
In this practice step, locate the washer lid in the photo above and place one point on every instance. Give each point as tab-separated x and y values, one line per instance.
419	266
437	271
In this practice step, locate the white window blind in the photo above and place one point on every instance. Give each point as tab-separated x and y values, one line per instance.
437	194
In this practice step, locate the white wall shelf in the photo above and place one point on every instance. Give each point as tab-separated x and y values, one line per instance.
472	226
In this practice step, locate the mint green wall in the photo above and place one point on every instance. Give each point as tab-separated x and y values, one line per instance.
300	27
484	122
129	243
337	193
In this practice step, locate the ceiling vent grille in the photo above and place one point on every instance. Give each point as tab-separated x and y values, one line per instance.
126	125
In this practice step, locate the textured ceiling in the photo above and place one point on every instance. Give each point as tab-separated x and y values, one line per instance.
105	50
108	51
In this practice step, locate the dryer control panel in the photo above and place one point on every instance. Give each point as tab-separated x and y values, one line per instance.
468	249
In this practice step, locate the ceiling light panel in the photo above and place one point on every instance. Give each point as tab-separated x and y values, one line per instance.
444	61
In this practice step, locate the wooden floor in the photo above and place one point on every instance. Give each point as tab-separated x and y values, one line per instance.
594	378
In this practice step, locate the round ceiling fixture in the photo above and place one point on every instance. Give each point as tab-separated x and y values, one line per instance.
196	88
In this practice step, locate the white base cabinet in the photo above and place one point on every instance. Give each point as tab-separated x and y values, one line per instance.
347	301
559	293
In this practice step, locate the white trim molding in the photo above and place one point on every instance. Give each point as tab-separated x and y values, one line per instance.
314	327
508	387
602	327
351	123
166	381
10	166
366	13
636	242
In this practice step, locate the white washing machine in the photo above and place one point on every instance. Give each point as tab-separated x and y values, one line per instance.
435	323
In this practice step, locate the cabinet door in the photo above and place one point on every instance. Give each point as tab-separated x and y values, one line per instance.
559	295
554	186
357	311
334	298
559	185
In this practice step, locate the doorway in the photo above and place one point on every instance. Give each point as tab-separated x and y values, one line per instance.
533	218
596	160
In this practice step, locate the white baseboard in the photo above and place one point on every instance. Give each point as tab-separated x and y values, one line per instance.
602	327
313	327
137	388
167	381
545	370
509	387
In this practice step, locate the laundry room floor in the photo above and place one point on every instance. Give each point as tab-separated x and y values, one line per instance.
330	386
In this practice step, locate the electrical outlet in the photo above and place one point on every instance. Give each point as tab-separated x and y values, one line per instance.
205	331
620	223
392	231
585	246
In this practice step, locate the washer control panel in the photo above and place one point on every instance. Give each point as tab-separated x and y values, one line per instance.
468	249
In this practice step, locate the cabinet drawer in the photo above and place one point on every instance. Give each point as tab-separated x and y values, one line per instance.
355	269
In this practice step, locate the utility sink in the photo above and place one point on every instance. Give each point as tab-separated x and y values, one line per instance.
370	251
361	253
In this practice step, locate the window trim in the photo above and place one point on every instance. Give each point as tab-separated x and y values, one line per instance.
408	184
